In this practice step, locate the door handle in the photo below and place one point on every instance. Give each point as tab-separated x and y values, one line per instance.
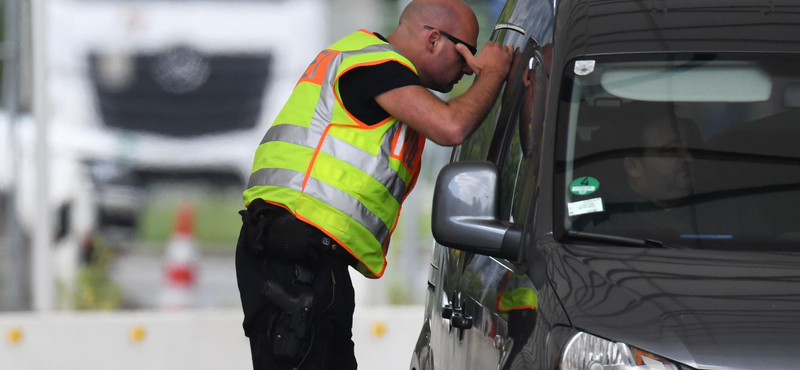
461	320
447	311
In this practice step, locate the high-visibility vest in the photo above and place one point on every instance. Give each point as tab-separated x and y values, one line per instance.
517	294
329	169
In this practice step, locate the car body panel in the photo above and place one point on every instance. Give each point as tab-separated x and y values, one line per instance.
706	309
703	309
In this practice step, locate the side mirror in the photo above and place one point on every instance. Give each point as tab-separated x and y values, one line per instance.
465	211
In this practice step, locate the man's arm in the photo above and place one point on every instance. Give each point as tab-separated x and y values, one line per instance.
449	123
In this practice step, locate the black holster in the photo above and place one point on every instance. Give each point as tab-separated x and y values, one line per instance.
291	333
272	233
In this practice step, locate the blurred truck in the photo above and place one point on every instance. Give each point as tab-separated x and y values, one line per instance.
144	92
141	93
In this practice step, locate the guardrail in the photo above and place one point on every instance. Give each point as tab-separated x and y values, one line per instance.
384	337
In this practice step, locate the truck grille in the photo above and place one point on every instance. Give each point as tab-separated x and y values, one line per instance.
180	92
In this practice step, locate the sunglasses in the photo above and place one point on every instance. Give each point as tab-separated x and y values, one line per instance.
455	40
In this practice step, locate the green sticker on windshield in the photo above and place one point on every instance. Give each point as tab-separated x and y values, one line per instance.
584	185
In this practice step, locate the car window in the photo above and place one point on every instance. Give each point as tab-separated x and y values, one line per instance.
695	150
515	167
498	139
478	145
519	159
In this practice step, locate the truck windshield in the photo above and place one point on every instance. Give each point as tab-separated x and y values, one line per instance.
694	150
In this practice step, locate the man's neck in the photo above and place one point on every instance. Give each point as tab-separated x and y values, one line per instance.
400	42
392	39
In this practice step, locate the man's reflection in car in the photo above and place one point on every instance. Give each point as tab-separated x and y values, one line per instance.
535	79
517	297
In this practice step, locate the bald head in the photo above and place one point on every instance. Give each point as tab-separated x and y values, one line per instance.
451	16
437	13
425	35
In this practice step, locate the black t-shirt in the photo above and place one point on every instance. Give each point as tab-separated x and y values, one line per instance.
359	86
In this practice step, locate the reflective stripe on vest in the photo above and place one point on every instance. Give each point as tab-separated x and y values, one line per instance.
518	294
355	157
329	169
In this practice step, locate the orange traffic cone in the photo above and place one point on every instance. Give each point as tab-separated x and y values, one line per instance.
180	264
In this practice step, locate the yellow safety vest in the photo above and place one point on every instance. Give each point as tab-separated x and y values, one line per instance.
517	294
333	171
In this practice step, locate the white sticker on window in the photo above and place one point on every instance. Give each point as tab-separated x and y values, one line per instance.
584	67
585	206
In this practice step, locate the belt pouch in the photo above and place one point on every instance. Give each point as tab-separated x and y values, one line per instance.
288	239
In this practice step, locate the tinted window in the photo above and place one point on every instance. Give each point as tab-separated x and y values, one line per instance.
488	136
697	150
520	158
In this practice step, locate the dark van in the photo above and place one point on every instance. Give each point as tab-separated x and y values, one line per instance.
633	200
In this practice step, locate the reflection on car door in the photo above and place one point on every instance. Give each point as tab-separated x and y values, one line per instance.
491	290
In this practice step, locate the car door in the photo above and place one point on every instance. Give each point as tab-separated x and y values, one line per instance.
448	264
482	336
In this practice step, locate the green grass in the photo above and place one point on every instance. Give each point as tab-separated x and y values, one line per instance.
216	220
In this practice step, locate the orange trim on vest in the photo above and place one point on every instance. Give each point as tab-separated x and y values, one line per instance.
412	139
367	32
407	66
279	205
518	308
503	293
352	117
411	186
505	289
377	275
372	63
381	123
358	122
394	140
341	244
314	157
339	99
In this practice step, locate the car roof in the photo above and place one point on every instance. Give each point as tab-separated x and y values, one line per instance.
596	27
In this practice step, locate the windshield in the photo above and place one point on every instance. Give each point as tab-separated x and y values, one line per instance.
695	150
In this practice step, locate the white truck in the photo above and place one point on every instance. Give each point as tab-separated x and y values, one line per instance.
143	91
140	92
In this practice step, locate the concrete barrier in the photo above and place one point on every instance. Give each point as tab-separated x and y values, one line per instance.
384	336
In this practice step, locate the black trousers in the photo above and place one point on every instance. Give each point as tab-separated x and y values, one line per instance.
332	346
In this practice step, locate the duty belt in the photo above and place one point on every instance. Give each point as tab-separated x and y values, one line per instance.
285	237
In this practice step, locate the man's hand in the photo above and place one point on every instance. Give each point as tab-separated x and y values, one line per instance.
494	58
449	123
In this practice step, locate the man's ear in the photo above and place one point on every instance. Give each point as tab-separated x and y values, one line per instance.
431	40
633	167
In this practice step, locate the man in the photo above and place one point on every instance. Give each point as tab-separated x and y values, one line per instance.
656	175
331	174
660	171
